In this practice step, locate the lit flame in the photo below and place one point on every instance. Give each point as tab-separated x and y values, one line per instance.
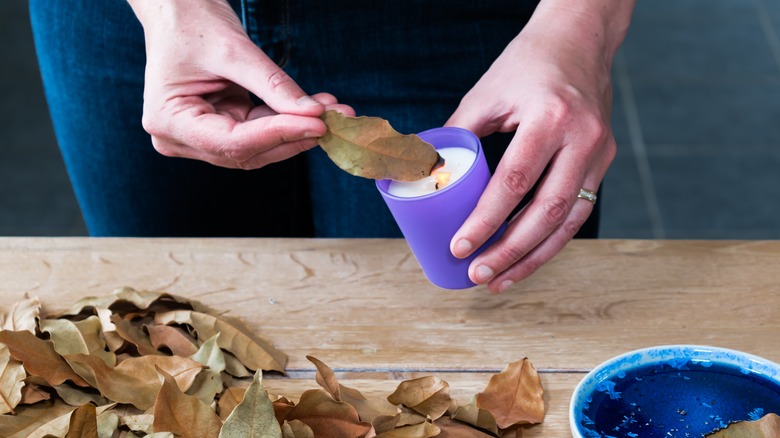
442	178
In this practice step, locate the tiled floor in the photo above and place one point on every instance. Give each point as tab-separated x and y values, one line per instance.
696	117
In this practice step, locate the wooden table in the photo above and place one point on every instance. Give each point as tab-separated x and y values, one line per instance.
364	307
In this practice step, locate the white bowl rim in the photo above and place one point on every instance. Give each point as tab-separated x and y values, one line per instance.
720	353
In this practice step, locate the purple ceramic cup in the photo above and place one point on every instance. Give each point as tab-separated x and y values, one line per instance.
430	221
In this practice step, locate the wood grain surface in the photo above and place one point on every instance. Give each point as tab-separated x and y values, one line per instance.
364	306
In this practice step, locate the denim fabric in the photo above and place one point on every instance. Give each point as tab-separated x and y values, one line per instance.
407	61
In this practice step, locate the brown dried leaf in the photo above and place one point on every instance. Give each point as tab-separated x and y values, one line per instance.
476	417
422	430
79	396
23	315
282	408
371	148
384	423
254	416
326	378
767	426
368	409
175	339
113	340
134	335
81	337
39	358
12	377
127	299
514	396
229	399
107	424
328	417
455	429
135	381
234	367
29	419
255	353
83	423
427	395
296	429
31	393
183	415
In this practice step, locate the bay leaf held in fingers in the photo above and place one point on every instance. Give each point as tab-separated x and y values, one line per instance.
371	148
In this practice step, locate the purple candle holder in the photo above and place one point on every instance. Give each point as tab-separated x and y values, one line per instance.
429	222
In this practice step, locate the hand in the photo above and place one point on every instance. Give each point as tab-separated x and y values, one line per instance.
201	66
555	93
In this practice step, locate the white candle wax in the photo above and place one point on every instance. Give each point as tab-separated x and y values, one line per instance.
456	162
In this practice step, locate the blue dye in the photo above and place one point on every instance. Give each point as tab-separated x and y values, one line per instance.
677	400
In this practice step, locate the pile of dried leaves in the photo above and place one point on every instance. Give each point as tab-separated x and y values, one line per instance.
139	363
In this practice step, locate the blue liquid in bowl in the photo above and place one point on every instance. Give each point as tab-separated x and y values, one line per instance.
689	399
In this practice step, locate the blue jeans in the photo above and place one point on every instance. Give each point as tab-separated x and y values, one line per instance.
407	61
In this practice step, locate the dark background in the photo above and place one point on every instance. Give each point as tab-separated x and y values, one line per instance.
696	117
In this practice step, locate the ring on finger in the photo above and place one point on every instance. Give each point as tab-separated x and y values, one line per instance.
588	195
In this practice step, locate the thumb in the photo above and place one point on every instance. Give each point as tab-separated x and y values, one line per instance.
259	74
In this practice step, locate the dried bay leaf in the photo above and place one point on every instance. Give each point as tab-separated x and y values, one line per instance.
83	423
23	315
78	396
208	383
81	337
454	429
254	352
135	380
767	426
514	396
371	148
367	409
328	417
107	424
134	335
296	429
427	395
228	401
254	416
175	339
39	358
422	430
12	375
29	419
326	378
31	393
183	415
476	417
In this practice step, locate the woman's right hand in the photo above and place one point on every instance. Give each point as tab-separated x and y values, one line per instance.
200	68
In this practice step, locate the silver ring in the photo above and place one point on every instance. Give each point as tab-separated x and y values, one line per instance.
588	195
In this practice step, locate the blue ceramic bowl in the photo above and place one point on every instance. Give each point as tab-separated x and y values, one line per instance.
673	390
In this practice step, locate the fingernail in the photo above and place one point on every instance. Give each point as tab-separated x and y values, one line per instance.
462	247
483	273
310	134
307	101
505	285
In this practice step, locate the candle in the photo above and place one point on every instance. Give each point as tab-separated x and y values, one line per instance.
429	218
457	161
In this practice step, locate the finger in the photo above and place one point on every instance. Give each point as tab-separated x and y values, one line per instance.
278	153
545	251
527	155
341	108
256	72
218	135
552	204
